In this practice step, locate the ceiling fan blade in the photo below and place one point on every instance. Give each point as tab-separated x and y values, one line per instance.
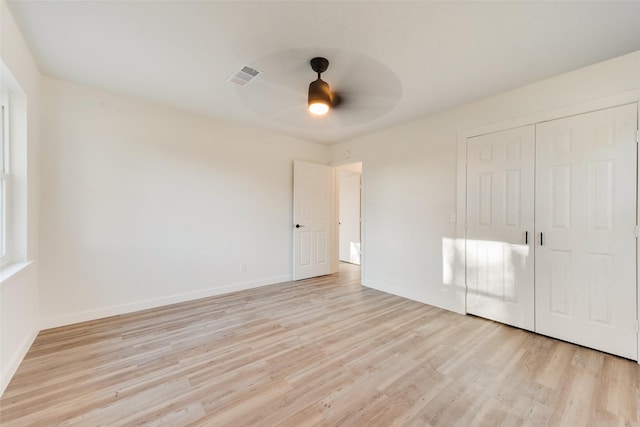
297	109
363	88
351	100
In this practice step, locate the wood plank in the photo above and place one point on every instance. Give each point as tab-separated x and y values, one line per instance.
323	351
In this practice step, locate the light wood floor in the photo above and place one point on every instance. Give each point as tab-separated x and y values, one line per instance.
324	351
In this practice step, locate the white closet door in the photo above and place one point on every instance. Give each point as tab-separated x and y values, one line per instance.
586	214
500	196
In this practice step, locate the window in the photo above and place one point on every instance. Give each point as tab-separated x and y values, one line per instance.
4	179
13	174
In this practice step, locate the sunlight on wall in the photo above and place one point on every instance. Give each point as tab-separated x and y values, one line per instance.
453	262
354	252
492	266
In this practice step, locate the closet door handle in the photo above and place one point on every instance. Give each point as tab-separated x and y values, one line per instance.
541	240
526	237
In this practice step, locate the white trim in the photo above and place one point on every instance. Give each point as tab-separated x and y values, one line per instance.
461	212
5	182
336	188
335	220
348	161
12	271
85	316
638	240
18	356
628	97
363	223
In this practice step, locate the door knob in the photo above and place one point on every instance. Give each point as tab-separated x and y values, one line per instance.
298	225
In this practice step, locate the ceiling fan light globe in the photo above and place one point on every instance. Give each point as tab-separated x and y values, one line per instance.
318	108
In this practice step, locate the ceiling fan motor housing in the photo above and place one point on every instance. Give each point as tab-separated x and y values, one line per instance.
319	91
319	64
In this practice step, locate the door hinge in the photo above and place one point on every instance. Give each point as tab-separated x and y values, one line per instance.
637	231
637	326
638	137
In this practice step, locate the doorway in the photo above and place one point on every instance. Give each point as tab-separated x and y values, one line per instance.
349	213
319	229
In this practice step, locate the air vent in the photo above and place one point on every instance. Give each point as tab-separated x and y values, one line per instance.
244	76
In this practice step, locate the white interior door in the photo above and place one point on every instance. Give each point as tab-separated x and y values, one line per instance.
311	220
586	216
349	234
499	249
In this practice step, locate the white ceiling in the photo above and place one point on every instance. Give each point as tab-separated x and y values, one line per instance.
397	60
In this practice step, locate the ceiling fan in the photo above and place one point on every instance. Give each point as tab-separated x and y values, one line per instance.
354	89
320	98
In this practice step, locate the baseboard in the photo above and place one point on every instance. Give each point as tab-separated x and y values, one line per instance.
11	368
436	302
85	316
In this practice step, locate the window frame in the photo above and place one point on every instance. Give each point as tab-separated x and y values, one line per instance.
5	179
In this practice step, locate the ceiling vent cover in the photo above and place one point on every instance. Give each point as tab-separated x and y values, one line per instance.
244	76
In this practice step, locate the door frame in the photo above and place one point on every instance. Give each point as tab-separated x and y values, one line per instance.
638	222
335	253
619	99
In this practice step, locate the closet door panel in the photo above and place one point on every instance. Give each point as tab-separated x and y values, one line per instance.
500	183
585	221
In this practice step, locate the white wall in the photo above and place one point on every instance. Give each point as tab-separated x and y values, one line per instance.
146	205
409	180
19	292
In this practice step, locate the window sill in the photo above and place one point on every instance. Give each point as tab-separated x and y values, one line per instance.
12	270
